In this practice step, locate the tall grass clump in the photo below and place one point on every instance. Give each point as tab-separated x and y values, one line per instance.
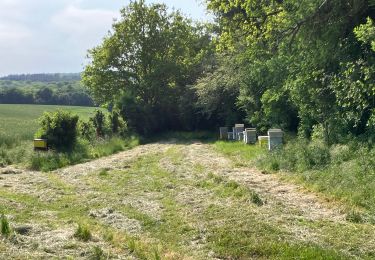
83	233
5	227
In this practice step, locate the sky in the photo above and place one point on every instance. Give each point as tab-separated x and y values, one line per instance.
48	36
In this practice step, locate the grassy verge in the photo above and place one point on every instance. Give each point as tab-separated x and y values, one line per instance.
343	172
83	151
24	155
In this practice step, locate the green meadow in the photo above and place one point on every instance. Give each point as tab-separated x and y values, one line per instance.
20	122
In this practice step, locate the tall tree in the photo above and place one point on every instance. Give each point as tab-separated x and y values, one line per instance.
146	64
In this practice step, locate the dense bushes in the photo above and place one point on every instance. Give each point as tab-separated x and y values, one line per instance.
74	141
59	128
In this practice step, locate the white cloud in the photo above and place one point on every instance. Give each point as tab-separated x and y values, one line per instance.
54	35
87	25
11	33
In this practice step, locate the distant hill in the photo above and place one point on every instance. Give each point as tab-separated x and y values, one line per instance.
44	77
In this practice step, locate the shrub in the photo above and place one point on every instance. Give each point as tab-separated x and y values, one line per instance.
117	124
83	233
86	130
5	227
114	120
59	128
98	121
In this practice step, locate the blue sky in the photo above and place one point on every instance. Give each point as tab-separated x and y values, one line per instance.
54	35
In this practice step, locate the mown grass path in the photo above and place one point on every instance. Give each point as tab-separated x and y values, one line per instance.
173	200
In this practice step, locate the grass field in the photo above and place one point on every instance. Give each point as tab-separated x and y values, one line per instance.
20	122
173	200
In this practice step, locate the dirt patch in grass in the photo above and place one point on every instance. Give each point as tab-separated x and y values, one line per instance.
117	220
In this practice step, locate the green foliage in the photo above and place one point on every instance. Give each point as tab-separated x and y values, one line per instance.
5	227
354	216
218	91
82	151
255	198
38	91
299	64
97	253
83	233
146	65
366	33
18	126
98	120
114	119
117	124
342	171
298	156
59	128
86	130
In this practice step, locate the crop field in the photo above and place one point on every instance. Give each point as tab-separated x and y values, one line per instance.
20	122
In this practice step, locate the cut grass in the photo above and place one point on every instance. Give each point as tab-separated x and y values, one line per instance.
343	172
185	210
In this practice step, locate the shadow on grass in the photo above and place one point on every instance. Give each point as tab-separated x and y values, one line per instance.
182	137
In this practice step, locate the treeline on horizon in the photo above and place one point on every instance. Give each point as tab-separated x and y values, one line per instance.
304	66
44	77
70	93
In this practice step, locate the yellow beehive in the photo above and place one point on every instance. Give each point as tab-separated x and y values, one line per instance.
263	141
40	144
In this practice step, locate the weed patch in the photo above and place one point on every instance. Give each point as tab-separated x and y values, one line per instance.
83	233
5	227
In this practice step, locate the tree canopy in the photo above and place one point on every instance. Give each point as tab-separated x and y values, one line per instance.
305	65
147	63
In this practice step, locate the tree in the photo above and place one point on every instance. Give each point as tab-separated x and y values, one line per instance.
44	96
146	64
297	53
